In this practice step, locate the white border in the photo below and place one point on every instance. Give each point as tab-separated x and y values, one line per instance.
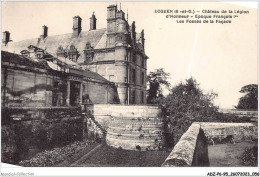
10	170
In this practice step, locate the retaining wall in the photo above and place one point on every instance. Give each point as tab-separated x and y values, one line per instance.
131	127
27	131
239	131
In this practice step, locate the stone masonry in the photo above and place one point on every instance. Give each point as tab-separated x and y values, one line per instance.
131	127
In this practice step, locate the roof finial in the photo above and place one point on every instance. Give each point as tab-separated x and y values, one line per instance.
93	13
120	5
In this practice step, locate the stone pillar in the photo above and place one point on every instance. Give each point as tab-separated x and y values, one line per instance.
80	92
68	94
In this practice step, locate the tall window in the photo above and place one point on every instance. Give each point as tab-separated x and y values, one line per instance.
111	13
133	76
142	78
110	27
111	40
133	97
134	57
142	97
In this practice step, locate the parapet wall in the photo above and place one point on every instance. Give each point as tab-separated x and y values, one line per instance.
103	112
131	127
191	150
239	131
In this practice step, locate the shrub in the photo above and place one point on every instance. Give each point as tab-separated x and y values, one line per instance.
186	104
250	157
55	155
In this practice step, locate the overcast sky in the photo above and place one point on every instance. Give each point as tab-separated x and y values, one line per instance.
222	58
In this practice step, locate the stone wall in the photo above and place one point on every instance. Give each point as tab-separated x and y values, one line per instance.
191	150
26	132
25	88
239	131
241	113
131	127
100	93
103	112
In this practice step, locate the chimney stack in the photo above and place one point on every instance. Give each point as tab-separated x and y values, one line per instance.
6	37
76	26
142	37
93	22
44	32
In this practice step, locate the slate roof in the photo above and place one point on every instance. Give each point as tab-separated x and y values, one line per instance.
22	60
93	75
26	61
97	39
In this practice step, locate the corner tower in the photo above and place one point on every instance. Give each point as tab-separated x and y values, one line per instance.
111	25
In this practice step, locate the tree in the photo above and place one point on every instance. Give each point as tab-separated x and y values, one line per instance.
156	80
184	105
250	99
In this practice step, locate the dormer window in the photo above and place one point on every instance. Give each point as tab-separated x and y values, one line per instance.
73	57
60	48
89	57
39	55
88	46
72	47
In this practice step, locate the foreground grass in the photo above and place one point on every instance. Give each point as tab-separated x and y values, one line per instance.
112	157
229	155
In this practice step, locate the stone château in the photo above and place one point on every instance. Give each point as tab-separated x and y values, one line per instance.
116	53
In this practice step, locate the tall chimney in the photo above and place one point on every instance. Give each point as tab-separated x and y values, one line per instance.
6	37
76	26
44	32
142	37
93	22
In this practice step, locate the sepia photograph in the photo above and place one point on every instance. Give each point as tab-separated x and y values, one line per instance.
129	84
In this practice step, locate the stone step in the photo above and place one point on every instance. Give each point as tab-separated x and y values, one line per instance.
128	111
140	137
124	118
134	131
136	126
133	145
